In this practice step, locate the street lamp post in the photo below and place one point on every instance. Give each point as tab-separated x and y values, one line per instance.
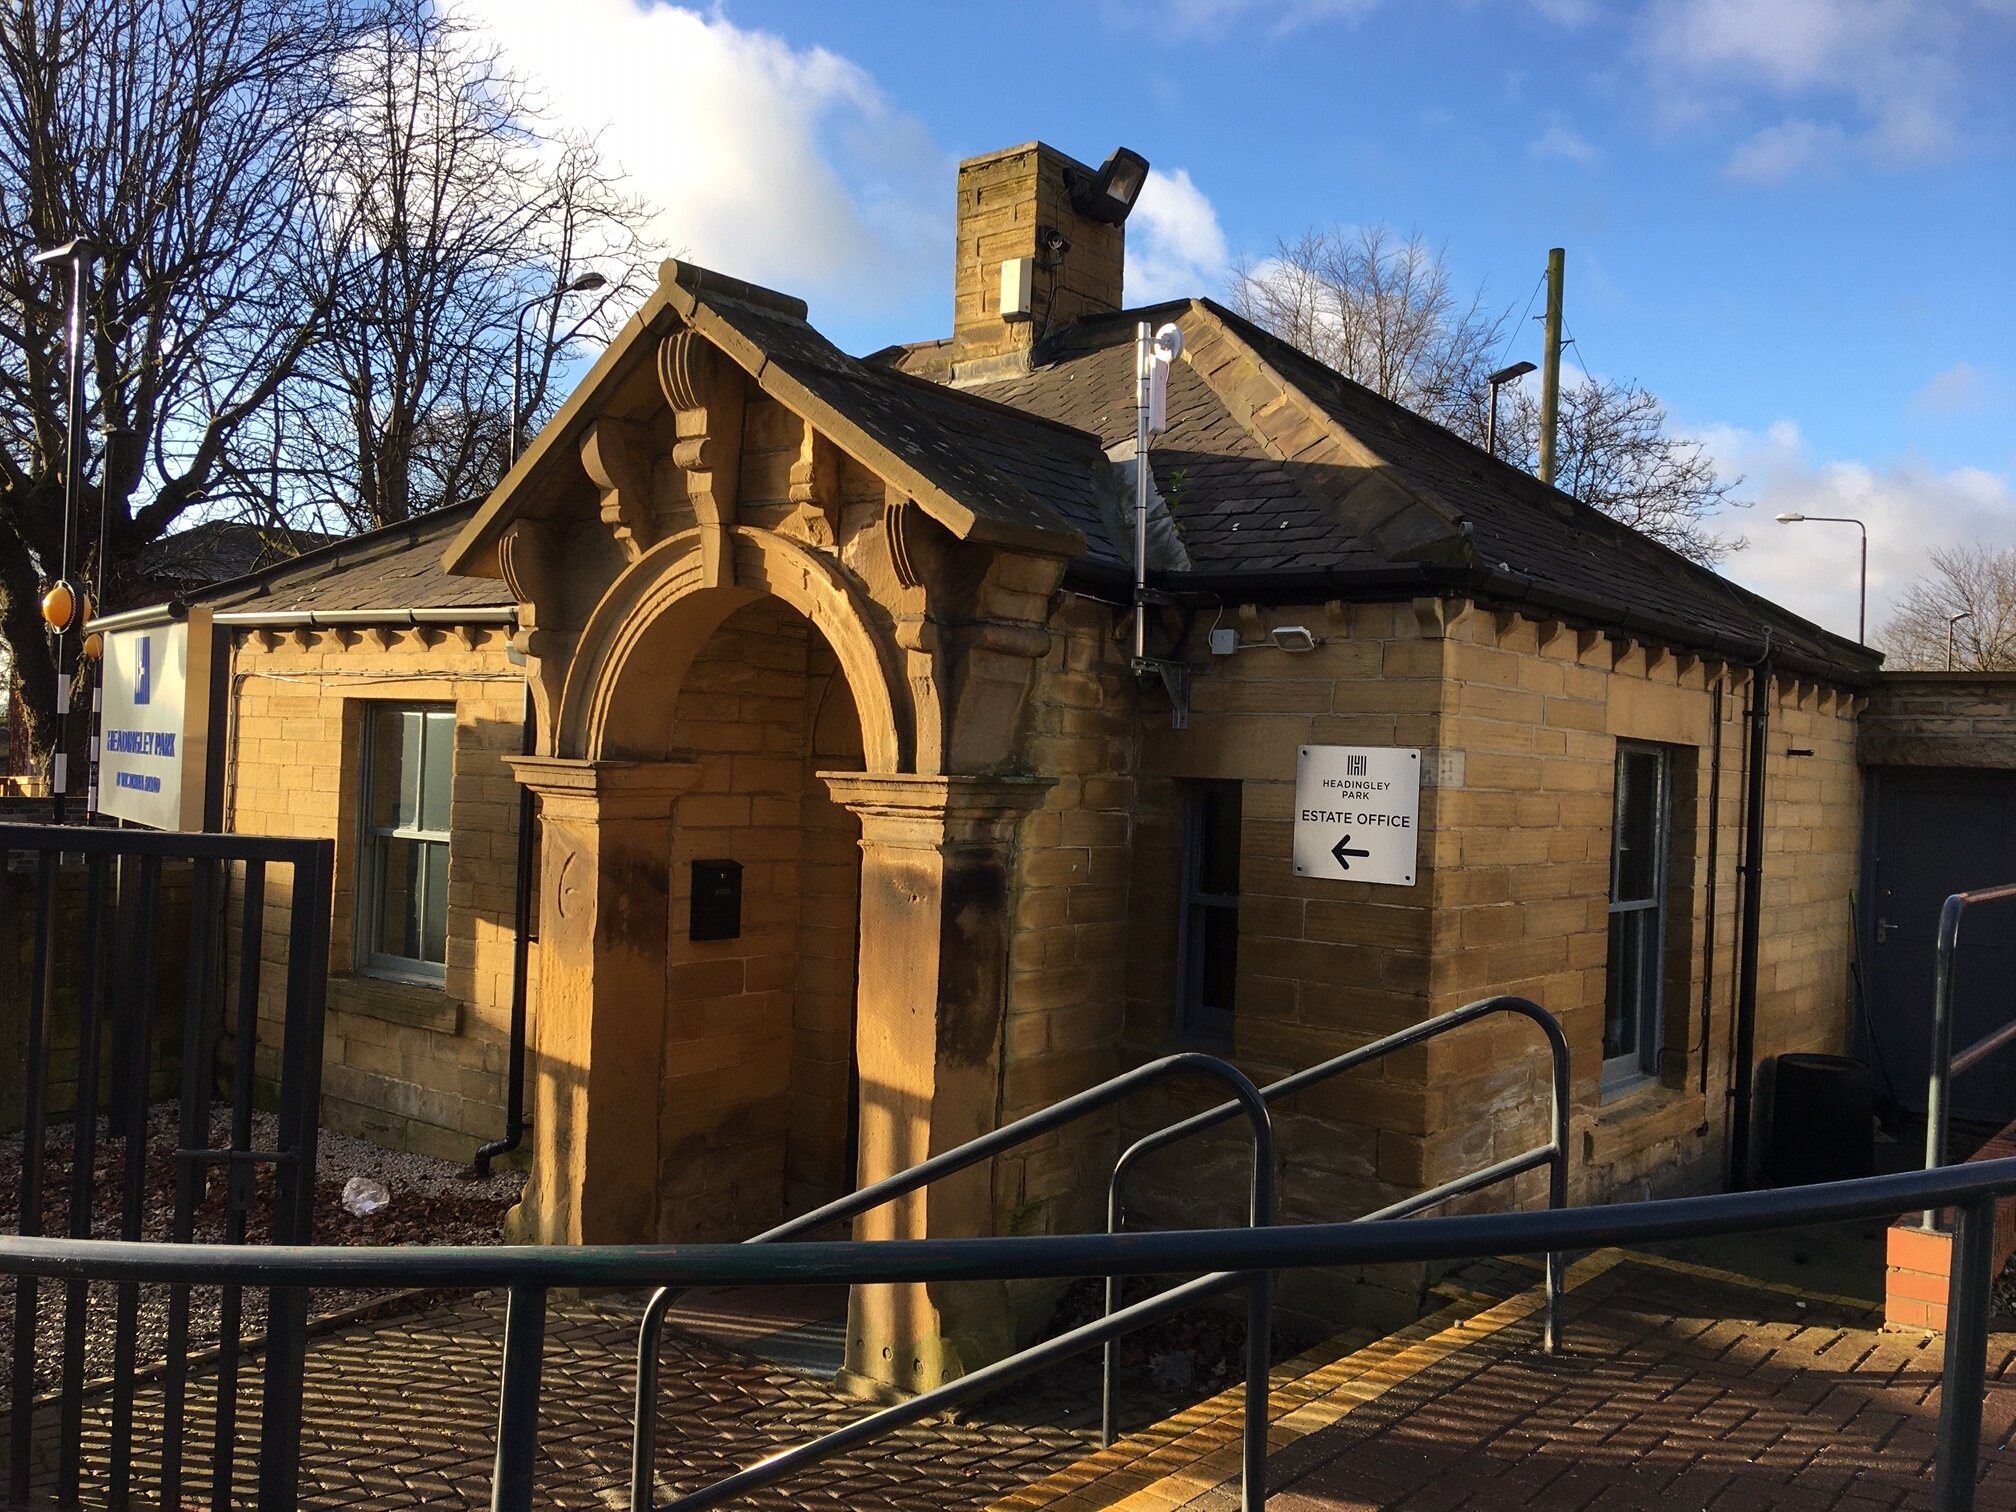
1951	621
1497	381
63	607
580	285
1862	599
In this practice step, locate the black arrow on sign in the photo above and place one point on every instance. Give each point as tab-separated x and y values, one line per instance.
1338	850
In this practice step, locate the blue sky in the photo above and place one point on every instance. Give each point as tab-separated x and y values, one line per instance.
1790	218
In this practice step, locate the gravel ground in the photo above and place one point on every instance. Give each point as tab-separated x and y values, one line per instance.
432	1202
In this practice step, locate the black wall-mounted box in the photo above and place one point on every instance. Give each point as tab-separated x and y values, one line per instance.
717	901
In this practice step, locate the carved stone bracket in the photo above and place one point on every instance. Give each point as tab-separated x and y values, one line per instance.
706	397
528	557
815	490
617	457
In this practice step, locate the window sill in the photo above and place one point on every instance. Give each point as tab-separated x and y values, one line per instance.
1616	1089
411	1003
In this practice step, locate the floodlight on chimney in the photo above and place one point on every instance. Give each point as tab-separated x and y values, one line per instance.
1108	196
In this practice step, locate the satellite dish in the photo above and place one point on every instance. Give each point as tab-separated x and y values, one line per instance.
1169	343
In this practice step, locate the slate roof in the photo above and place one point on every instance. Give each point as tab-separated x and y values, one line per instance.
1238	508
1499	532
216	551
394	568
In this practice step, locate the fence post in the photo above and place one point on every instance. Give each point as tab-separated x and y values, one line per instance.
1965	1376
518	1399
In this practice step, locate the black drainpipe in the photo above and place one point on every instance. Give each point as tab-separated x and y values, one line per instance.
1753	902
1708	919
521	944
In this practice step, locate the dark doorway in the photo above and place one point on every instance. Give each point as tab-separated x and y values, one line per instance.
1934	832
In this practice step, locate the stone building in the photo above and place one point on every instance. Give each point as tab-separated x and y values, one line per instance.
855	634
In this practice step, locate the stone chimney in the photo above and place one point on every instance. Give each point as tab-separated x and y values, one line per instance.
1042	241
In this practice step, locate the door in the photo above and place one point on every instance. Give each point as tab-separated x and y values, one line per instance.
1936	832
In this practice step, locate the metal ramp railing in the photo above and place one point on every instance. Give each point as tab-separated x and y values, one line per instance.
1117	1321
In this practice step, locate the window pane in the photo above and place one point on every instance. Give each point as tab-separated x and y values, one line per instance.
436	767
1635	874
399	897
1624	1000
381	810
1219	930
434	919
412	764
1217	839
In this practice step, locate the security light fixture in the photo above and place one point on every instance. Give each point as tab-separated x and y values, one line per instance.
1294	638
1108	196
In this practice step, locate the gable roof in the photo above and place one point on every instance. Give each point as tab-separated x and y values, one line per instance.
1027	491
1285	477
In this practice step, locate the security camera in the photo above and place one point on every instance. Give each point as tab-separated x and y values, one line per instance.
1053	243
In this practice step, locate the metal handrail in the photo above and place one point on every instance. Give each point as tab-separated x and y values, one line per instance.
1553	1154
1260	1214
529	1272
1945	1064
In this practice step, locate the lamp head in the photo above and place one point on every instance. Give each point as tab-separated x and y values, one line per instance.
1790	518
1108	196
586	282
1507	374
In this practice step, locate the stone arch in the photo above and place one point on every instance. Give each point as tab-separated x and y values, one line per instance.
645	631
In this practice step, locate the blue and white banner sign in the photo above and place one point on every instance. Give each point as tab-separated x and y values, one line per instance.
155	721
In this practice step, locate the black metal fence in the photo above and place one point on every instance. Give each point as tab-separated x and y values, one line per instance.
96	966
529	1273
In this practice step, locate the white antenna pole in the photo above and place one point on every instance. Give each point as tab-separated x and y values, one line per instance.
1144	371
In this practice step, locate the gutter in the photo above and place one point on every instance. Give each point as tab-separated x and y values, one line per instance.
315	619
1409	579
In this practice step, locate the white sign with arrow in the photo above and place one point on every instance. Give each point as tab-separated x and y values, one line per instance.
1357	813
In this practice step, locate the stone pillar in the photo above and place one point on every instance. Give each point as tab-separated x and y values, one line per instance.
935	875
594	1066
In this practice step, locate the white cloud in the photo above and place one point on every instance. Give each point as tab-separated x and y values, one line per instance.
1175	246
1960	389
1557	141
1909	506
1276	17
1786	150
1896	73
781	164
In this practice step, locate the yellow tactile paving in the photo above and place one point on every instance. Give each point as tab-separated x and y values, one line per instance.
1197	1450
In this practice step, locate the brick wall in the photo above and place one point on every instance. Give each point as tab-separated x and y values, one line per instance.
1518	722
758	1045
410	1067
1941	719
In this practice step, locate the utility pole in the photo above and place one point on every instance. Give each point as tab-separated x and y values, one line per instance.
1550	375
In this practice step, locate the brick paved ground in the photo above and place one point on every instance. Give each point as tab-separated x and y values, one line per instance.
401	1413
1675	1390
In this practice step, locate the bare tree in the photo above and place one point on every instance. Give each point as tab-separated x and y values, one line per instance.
1385	314
1613	451
1382	312
1977	583
174	135
468	215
